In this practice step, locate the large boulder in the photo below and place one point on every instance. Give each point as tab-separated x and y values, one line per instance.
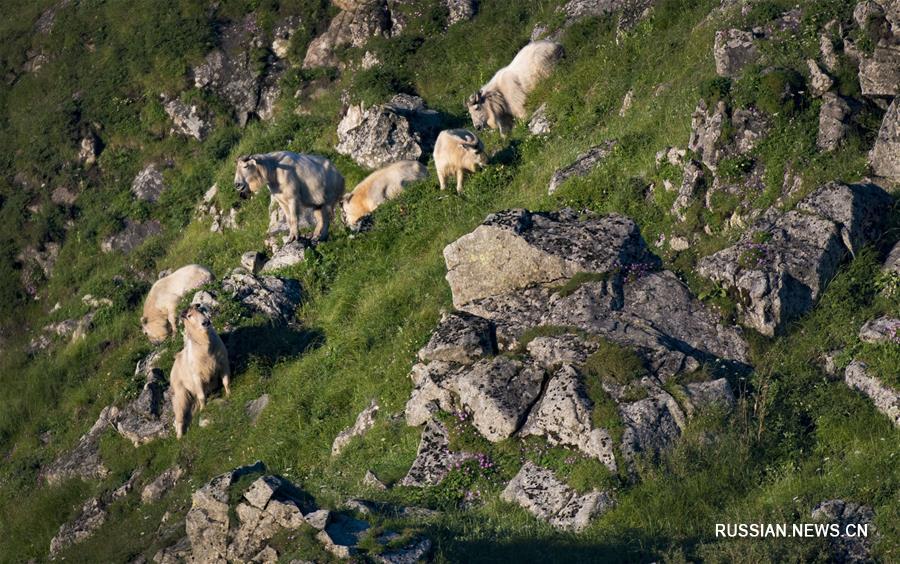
879	73
131	236
515	249
434	459
148	185
186	119
582	165
885	398
539	492
834	118
885	155
270	296
733	50
402	129
84	460
353	26
781	265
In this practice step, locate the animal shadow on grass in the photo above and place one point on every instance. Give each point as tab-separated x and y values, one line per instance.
265	345
508	155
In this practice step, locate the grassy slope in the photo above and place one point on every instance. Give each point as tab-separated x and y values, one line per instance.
372	300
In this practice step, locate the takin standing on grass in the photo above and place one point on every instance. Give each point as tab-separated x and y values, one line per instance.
382	185
457	151
200	368
295	182
160	317
502	100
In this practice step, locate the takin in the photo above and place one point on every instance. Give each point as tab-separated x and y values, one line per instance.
502	100
200	368
160	317
457	151
295	182
382	185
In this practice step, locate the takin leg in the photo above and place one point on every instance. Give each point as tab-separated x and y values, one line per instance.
181	405
459	180
442	180
323	219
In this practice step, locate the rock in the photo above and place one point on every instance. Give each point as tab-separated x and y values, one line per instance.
886	399
282	33
278	224
733	50
460	10
402	129
881	330
272	297
148	185
254	408
63	196
630	11
461	338
416	551
892	262
261	491
834	117
435	385
342	535
583	164
267	554
364	421
626	103
845	548
692	183
131	237
84	460
150	416
499	392
651	425
433	460
155	490
288	255
826	47
554	352
89	150
539	492
95	303
206	301
186	119
515	249
714	392
539	124
679	244
318	519
370	60
563	416
818	80
253	261
371	480
879	74
37	264
885	155
706	132
353	27
781	278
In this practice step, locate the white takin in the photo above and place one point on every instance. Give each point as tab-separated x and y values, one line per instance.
382	185
457	151
502	100
160	318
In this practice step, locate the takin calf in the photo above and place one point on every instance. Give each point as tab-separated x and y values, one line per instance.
502	100
295	182
160	318
382	185
457	151
199	369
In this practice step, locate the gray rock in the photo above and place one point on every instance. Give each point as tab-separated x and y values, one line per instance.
253	261
89	149
885	155
886	399
539	124
782	278
834	117
630	11
84	460
37	264
714	392
288	255
186	119
63	196
352	27
275	298
459	338
148	185
159	487
553	352
282	33
892	262
150	416
651	425
515	249
433	459
364	421
402	129
692	183
880	330
563	416
318	519
539	492
733	50
261	491
460	10
416	551
206	302
582	165
706	132
131	237
818	80
342	535
879	74
499	392
254	408
175	554
844	548
371	480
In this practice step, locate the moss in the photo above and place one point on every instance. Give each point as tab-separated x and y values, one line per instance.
615	363
579	280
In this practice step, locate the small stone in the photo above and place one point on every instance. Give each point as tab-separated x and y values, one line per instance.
261	491
539	124
884	329
364	421
253	261
148	185
254	408
318	519
288	255
372	481
155	490
679	244
818	80
582	165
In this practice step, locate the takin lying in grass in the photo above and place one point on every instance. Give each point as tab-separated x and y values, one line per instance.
200	368
457	151
160	317
382	185
502	100
295	182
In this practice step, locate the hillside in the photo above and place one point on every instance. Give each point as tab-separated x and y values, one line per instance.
669	301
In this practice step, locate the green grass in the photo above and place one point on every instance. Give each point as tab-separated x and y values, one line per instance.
371	300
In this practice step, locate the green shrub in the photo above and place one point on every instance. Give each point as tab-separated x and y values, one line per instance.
734	168
614	362
714	89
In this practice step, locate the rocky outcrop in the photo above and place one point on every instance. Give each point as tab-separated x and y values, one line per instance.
37	265
630	11
434	459
780	266
834	118
288	255
883	329
402	129
582	165
733	50
885	155
84	460
459	338
186	119
353	26
150	416
843	547
132	236
148	185
160	486
539	124
254	408
819	81
886	399
539	492
364	421
270	296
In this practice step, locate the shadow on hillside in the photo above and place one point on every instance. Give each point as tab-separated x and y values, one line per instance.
265	345
508	155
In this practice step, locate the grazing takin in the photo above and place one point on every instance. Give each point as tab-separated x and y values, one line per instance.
502	100
295	182
380	186
457	151
200	368
160	318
